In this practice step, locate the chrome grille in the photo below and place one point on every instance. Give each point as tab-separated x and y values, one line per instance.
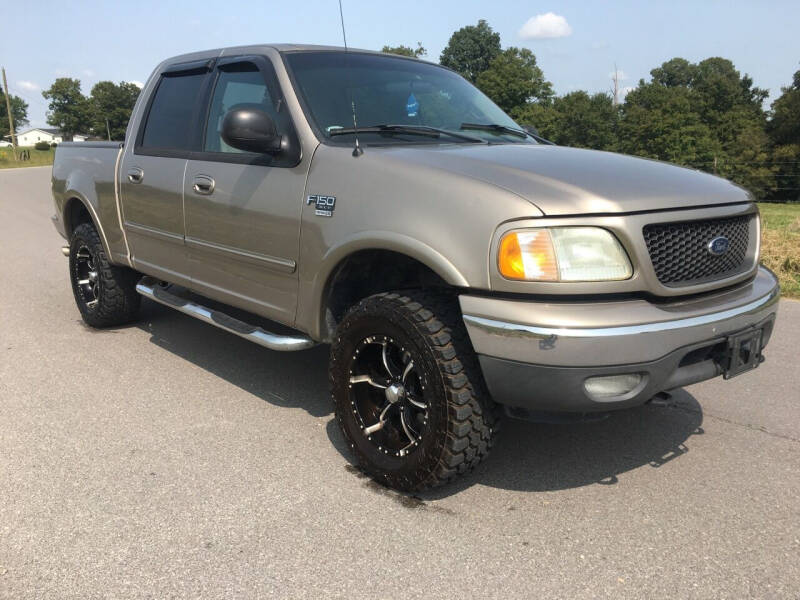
680	251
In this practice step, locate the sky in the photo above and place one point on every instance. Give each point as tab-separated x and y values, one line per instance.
576	43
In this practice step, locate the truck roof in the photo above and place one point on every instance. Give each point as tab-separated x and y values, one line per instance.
251	48
317	47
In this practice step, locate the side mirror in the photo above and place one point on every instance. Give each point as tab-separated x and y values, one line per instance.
251	130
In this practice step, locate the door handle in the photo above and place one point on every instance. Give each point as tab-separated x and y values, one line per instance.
135	175
203	184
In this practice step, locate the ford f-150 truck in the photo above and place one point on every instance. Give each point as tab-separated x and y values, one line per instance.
458	266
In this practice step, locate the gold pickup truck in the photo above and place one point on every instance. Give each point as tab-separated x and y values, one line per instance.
459	266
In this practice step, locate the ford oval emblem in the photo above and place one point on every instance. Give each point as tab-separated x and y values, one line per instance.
719	245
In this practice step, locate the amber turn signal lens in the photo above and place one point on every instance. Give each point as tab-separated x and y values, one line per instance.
528	255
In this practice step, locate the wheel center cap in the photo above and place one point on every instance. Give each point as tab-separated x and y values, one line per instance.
395	392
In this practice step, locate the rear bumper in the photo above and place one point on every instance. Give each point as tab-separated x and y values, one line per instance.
538	355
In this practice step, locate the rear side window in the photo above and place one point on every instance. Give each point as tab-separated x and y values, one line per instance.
172	119
239	86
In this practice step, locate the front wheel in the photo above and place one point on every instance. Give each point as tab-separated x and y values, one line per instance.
408	392
105	294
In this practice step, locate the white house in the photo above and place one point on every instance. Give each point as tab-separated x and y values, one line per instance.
29	137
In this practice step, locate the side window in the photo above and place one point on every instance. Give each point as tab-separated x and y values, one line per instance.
240	85
171	121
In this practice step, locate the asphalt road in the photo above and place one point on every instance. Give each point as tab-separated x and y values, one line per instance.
172	460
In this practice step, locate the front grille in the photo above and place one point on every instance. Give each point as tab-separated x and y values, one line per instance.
680	255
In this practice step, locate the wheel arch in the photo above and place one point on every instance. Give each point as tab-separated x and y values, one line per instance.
77	210
373	262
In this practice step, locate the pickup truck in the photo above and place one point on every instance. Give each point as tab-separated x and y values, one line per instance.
460	267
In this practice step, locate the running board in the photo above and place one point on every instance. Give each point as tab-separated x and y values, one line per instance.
152	288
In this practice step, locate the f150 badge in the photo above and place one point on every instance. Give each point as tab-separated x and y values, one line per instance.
324	204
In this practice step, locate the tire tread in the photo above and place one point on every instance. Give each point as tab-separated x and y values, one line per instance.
119	303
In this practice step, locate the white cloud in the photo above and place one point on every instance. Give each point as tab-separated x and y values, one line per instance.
28	86
546	26
625	91
88	72
138	84
621	76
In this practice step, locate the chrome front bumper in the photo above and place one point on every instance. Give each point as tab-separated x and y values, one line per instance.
523	343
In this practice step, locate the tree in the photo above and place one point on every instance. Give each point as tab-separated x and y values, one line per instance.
69	109
659	122
19	110
470	50
784	133
577	119
513	78
406	50
673	73
784	127
112	102
704	115
542	117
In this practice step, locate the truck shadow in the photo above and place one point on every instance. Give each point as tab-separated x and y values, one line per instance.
545	457
289	379
527	456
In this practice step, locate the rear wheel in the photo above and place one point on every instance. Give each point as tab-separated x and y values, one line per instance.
105	294
408	391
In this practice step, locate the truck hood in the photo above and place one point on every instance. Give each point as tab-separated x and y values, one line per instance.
570	181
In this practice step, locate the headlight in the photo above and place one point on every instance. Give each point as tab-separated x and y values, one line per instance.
563	254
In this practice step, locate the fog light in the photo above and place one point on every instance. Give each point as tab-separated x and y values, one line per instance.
611	386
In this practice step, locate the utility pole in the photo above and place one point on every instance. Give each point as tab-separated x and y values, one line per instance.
10	116
615	79
108	130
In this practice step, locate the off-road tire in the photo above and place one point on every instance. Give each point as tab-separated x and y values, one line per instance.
463	418
117	302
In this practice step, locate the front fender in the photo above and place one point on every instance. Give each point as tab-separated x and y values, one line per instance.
313	291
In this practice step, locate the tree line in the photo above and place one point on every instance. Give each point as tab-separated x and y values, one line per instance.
705	115
104	113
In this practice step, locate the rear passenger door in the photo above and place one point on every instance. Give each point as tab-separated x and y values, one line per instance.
152	170
243	209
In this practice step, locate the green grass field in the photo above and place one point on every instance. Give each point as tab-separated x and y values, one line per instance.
38	158
780	244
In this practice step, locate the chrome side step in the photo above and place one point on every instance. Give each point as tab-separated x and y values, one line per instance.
151	288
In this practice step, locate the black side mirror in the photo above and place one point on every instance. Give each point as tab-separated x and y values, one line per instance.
251	130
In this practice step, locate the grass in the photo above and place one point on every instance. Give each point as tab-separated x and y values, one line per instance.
780	244
39	158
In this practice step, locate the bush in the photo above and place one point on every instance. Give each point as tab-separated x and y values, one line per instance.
53	145
42	145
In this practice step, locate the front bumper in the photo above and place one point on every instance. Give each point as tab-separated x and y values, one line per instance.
537	355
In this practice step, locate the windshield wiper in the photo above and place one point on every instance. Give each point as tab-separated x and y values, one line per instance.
496	127
425	130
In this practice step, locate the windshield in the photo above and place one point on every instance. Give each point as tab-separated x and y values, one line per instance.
393	91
